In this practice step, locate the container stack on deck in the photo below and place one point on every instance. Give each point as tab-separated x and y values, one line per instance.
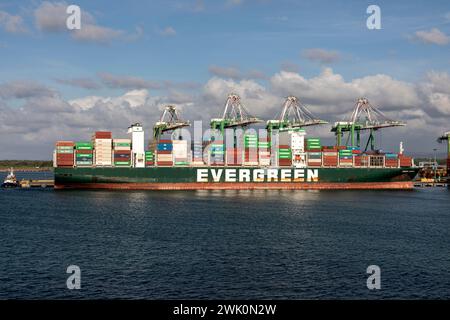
250	149
291	148
122	152
102	148
64	153
264	151
164	154
330	156
391	160
149	158
84	154
217	153
405	161
234	156
345	158
180	152
284	155
197	154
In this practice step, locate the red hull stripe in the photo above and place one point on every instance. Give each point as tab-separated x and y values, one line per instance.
403	185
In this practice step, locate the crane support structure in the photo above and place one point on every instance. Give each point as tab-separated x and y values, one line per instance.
234	115
293	115
446	137
170	120
364	117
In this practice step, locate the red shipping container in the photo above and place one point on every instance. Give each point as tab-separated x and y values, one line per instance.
165	152
84	151
65	143
165	141
103	135
164	163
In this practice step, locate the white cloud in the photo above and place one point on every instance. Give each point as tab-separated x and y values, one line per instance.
321	55
167	32
85	83
11	23
23	89
425	106
434	36
127	82
227	72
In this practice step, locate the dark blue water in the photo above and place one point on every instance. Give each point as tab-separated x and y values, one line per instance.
225	244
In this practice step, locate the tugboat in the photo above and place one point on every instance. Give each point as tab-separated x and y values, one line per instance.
10	180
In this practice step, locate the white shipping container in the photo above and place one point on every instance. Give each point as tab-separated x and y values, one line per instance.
122	141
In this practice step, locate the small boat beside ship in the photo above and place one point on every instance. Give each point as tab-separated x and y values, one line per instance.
10	180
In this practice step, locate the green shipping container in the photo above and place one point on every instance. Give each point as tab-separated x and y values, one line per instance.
83	146
122	163
84	155
83	163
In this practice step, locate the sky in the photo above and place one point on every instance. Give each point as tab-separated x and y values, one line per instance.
130	59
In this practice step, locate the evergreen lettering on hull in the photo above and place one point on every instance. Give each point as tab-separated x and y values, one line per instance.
257	175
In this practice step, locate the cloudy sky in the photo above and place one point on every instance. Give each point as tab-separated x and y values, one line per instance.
131	58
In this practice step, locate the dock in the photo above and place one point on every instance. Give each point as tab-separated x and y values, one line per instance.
36	183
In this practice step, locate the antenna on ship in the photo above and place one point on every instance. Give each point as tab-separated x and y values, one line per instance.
234	115
293	115
364	117
170	120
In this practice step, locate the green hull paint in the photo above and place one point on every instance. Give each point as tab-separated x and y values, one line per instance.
67	176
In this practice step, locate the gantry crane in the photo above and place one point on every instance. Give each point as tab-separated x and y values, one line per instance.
293	115
364	117
170	120
235	115
446	137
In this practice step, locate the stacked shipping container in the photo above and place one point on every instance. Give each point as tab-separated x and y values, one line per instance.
122	152
180	152
330	156
264	151
102	148
84	154
391	160
345	158
284	155
217	152
250	149
164	154
64	153
197	157
149	158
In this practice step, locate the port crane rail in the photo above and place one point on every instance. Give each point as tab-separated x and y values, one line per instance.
364	117
293	115
170	120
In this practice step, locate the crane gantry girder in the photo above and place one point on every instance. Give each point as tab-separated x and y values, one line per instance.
293	115
234	115
170	120
373	120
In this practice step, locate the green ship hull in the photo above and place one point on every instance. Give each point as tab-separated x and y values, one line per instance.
194	178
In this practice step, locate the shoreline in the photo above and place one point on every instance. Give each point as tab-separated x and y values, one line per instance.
27	169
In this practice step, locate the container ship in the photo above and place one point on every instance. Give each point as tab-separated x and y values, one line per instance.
235	156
